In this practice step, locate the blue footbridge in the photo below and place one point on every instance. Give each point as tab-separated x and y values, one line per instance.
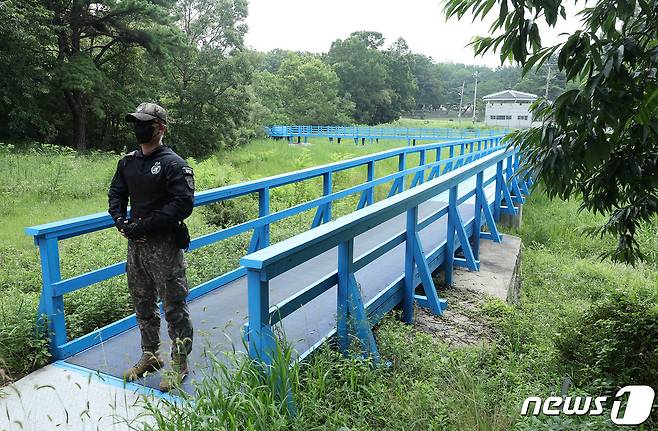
363	134
333	281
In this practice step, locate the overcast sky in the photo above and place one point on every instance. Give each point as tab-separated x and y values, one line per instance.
311	25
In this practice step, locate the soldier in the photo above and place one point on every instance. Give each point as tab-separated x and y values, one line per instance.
160	186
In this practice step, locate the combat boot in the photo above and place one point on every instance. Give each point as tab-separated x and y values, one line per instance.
148	362
175	376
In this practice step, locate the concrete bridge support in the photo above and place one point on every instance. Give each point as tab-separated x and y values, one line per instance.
512	221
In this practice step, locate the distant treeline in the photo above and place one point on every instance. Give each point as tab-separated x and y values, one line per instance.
360	81
69	71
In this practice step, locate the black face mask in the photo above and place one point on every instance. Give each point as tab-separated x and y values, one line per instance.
144	132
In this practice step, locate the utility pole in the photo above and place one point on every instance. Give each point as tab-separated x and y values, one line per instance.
548	81
475	94
461	102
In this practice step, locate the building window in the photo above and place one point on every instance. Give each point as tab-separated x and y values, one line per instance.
501	117
523	117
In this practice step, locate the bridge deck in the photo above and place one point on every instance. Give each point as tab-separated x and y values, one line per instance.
218	316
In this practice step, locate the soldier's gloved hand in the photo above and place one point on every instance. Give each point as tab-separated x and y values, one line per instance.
135	230
120	223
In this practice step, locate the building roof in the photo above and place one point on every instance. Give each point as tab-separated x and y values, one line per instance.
511	95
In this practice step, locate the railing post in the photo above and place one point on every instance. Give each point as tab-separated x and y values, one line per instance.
327	187
477	217
448	166
450	236
371	177
260	336
499	190
264	210
402	165
345	268
419	177
50	305
261	236
409	285
350	306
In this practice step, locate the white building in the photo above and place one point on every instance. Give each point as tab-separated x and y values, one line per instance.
509	108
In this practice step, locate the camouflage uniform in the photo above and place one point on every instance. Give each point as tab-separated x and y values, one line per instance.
160	188
156	268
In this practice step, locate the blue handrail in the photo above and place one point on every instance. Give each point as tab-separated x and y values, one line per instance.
360	133
47	236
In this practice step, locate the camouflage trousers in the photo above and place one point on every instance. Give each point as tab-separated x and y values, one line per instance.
156	269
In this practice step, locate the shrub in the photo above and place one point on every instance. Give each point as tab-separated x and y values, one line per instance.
231	212
615	342
22	349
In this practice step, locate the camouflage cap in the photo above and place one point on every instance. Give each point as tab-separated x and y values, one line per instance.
146	112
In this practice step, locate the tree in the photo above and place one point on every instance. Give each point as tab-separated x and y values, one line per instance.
599	140
303	91
205	79
25	35
400	64
89	35
430	87
361	68
380	83
269	90
271	61
308	93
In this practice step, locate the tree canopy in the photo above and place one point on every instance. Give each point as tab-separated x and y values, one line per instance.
303	90
69	71
600	139
379	82
81	66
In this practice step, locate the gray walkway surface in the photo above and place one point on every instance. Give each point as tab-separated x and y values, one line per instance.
53	398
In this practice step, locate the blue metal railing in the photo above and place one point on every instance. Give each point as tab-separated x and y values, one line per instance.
47	236
263	265
362	133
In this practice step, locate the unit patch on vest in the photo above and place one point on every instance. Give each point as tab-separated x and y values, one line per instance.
155	169
189	176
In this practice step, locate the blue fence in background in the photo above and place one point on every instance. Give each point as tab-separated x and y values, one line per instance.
47	236
370	134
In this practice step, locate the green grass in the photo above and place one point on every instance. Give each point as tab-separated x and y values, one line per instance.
428	386
439	123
